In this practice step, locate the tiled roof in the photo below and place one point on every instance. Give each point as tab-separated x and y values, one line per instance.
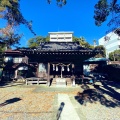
12	51
96	59
60	46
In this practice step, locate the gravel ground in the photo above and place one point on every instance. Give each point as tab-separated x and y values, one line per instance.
40	103
23	104
97	110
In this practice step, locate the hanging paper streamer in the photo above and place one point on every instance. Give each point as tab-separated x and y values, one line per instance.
56	68
53	67
62	68
68	69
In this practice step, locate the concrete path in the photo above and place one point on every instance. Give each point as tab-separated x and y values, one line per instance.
66	110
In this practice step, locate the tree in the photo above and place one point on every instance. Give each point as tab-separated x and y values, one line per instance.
10	11
34	42
82	42
102	54
115	55
105	8
11	39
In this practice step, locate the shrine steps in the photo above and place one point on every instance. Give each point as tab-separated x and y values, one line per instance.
68	81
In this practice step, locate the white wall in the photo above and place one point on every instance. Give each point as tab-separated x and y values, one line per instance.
61	36
111	44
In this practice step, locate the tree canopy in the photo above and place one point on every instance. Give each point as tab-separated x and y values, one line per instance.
34	42
10	11
115	55
82	42
103	53
105	8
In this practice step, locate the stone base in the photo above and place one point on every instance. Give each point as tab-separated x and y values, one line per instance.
61	82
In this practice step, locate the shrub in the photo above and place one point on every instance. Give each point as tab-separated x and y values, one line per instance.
113	71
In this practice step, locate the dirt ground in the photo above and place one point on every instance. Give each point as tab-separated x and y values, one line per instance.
39	102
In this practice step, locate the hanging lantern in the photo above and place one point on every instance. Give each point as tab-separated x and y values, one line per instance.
68	69
56	68
62	68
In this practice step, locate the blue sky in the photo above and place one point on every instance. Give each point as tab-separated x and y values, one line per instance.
75	16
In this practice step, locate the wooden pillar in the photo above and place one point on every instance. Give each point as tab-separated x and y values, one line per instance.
37	70
48	78
73	76
16	73
61	71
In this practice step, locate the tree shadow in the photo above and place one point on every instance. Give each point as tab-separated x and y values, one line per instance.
3	84
85	86
105	89
10	84
93	96
10	101
115	84
60	110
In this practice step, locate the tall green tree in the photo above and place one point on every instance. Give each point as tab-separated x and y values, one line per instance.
10	11
82	42
10	40
34	42
105	9
115	55
102	53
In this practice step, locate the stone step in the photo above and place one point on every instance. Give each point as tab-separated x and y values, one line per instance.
67	79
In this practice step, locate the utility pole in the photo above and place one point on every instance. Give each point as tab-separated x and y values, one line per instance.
94	43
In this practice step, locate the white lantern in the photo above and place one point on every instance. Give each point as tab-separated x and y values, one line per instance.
56	68
68	69
62	68
53	67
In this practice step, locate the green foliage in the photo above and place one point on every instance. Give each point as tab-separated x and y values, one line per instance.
10	40
34	42
2	49
113	71
10	11
60	3
101	12
102	53
82	42
115	55
103	9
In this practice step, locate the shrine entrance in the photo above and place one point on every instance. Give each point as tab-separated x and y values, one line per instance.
61	69
61	73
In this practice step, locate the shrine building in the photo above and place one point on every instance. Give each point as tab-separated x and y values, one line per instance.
59	58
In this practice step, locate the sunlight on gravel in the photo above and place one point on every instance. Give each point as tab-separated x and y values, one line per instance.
23	102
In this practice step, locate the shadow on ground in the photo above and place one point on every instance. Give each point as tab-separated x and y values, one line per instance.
10	101
60	110
98	94
10	84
